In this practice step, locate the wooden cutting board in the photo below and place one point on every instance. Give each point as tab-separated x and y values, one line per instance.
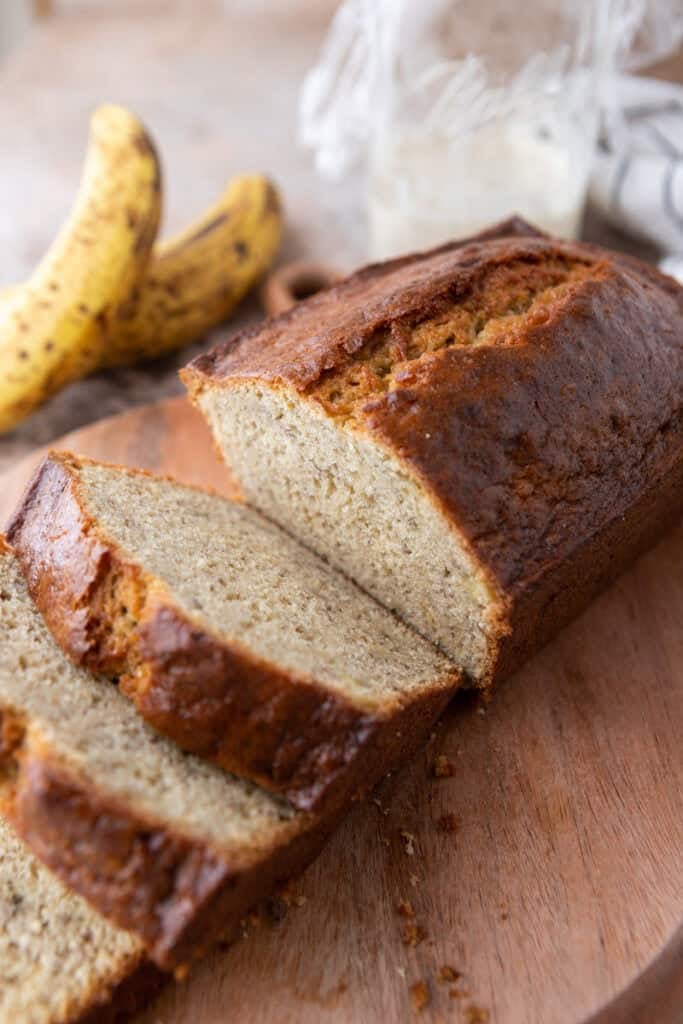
547	870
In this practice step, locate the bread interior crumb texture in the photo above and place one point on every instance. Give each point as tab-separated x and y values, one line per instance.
92	730
245	580
56	954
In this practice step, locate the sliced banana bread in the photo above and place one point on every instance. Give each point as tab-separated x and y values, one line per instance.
481	436
166	845
230	637
60	961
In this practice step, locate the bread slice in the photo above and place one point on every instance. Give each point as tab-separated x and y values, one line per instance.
481	436
164	844
60	962
229	637
161	842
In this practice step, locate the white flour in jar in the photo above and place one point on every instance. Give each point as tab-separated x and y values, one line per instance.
424	191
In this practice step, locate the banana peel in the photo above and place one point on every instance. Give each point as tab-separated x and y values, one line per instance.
103	296
54	328
196	279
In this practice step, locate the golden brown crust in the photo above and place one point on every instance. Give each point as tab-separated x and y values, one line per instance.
170	889
534	444
568	587
173	892
129	996
214	698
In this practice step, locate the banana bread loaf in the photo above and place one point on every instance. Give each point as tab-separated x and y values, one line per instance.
239	644
481	436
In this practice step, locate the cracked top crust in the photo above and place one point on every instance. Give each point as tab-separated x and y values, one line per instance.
534	387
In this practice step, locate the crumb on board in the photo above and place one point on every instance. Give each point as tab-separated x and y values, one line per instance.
252	920
405	908
448	823
414	881
284	892
412	934
379	805
419	996
409	840
476	1015
289	897
448	973
443	768
458	993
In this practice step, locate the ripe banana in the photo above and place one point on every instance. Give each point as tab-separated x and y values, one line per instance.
53	328
194	281
197	278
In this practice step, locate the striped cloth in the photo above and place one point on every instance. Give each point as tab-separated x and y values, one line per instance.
637	182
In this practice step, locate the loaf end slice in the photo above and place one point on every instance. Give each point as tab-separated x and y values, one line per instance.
60	961
482	435
232	639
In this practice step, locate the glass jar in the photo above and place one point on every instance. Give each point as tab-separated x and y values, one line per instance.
463	112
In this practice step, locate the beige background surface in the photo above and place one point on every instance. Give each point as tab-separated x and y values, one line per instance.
218	92
217	83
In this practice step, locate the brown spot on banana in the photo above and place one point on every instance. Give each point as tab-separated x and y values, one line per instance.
196	279
271	202
205	229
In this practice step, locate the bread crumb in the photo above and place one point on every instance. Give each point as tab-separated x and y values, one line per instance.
414	881
447	973
457	993
252	920
412	934
476	1015
419	995
443	768
290	898
405	908
284	892
481	711
378	804
448	823
409	841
